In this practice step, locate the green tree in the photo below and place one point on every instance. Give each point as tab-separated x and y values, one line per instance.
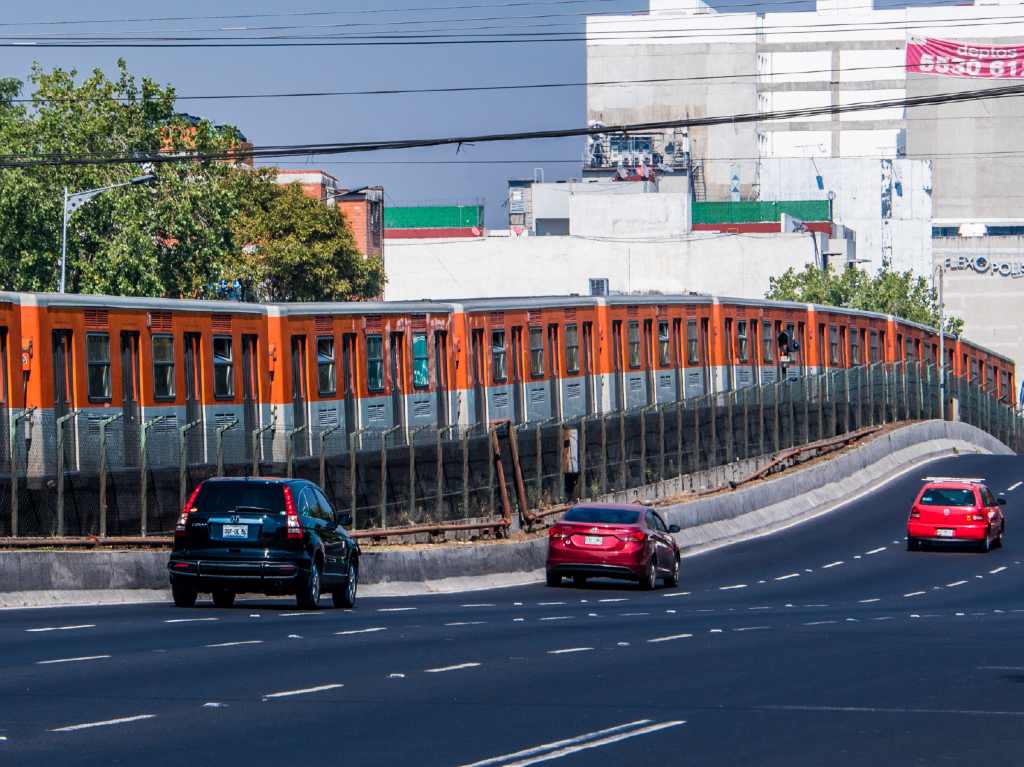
901	294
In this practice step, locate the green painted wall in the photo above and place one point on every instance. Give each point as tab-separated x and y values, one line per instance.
754	211
433	217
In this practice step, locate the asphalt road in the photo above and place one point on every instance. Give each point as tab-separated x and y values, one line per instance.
827	643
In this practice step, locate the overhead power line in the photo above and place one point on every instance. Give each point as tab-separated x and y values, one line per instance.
311	150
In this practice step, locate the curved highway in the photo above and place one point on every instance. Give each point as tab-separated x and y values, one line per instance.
824	643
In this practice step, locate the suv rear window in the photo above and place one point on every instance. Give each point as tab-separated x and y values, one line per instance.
221	497
947	496
602	516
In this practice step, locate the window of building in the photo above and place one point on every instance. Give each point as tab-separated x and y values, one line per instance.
420	361
767	342
223	368
97	347
163	367
327	377
499	357
692	343
742	341
599	286
375	362
572	349
634	344
664	344
536	352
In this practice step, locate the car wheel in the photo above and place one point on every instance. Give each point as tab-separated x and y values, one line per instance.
553	579
673	580
347	596
985	546
650	579
223	598
579	581
1002	534
184	594
308	596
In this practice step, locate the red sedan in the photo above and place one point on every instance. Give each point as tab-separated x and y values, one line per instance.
956	510
608	540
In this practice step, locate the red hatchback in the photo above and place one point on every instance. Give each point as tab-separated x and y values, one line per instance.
956	510
606	540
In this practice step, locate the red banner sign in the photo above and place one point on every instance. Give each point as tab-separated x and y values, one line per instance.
946	58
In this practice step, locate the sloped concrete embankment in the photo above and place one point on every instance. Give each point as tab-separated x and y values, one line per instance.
38	578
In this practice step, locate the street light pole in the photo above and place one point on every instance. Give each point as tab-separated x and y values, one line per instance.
64	243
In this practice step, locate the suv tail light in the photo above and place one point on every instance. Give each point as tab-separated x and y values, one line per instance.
293	525
633	535
179	529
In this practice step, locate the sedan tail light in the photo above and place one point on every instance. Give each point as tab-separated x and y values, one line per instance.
179	529
294	526
558	533
633	535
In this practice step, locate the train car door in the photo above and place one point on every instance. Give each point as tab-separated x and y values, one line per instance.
705	354
398	380
677	359
5	402
617	401
518	398
348	384
193	393
62	387
554	373
130	396
479	395
729	360
300	391
250	385
588	364
648	362
441	375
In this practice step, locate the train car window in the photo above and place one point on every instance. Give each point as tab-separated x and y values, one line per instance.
326	366
163	367
572	349
692	343
375	362
97	346
420	361
767	350
909	345
874	346
537	352
499	357
854	346
974	371
990	380
833	345
664	344
742	342
634	344
223	368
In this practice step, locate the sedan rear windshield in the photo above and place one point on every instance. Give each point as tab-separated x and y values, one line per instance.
947	496
602	516
227	497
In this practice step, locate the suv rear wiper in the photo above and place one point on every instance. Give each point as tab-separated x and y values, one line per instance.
251	510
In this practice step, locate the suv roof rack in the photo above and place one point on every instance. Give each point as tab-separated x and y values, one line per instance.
968	480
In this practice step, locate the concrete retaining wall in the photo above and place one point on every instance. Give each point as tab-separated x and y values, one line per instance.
50	577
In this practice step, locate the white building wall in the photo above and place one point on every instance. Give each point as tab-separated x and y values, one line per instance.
646	216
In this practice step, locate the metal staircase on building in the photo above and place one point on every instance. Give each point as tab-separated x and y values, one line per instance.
698	186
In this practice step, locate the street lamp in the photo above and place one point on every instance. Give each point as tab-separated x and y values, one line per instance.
938	270
75	200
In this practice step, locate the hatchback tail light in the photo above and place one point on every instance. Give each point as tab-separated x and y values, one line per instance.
179	529
915	513
292	522
975	517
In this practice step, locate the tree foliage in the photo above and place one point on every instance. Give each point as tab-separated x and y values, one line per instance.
901	294
178	236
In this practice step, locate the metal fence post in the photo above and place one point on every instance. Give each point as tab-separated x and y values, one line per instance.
258	432
695	461
730	402
323	453
103	471
581	447
745	393
805	389
25	416
412	470
713	447
819	387
440	466
490	470
777	420
604	454
352	476
60	469
183	462
465	474
143	500
289	451
384	474
220	444
622	450
761	390
679	438
643	444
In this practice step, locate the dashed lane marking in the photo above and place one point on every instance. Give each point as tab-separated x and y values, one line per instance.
820	623
955	583
545	748
395	609
61	628
883	618
754	628
558	618
876	551
997	570
305	691
568	650
479	604
678	594
868	601
350	632
236	644
107	723
730	588
457	667
759	608
297	615
190	620
915	593
466	623
549	604
787	577
833	564
1014	486
632	615
620	599
670	638
71	660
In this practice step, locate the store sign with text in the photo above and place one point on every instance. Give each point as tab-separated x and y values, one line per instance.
985	265
947	58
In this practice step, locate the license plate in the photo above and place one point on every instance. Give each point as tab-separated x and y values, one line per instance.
945	533
235	531
593	540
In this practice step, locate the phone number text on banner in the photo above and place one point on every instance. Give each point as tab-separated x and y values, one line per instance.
946	58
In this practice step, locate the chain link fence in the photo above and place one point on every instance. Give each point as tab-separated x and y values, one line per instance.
88	475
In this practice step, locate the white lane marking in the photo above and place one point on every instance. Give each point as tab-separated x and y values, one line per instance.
715	631
517	604
350	632
61	628
678	594
632	615
295	636
883	618
466	623
852	620
306	691
670	638
214	704
787	577
955	583
549	604
820	623
1014	486
915	593
730	588
294	615
71	660
559	743
873	710
959	615
574	749
759	608
570	650
997	570
190	620
395	609
622	644
856	556
479	604
236	644
868	601
518	620
591	615
558	618
457	667
107	723
753	628
396	676
621	599
876	551
816	605
670	612
1001	668
833	564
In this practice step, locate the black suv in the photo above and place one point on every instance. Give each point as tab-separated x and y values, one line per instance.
264	536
